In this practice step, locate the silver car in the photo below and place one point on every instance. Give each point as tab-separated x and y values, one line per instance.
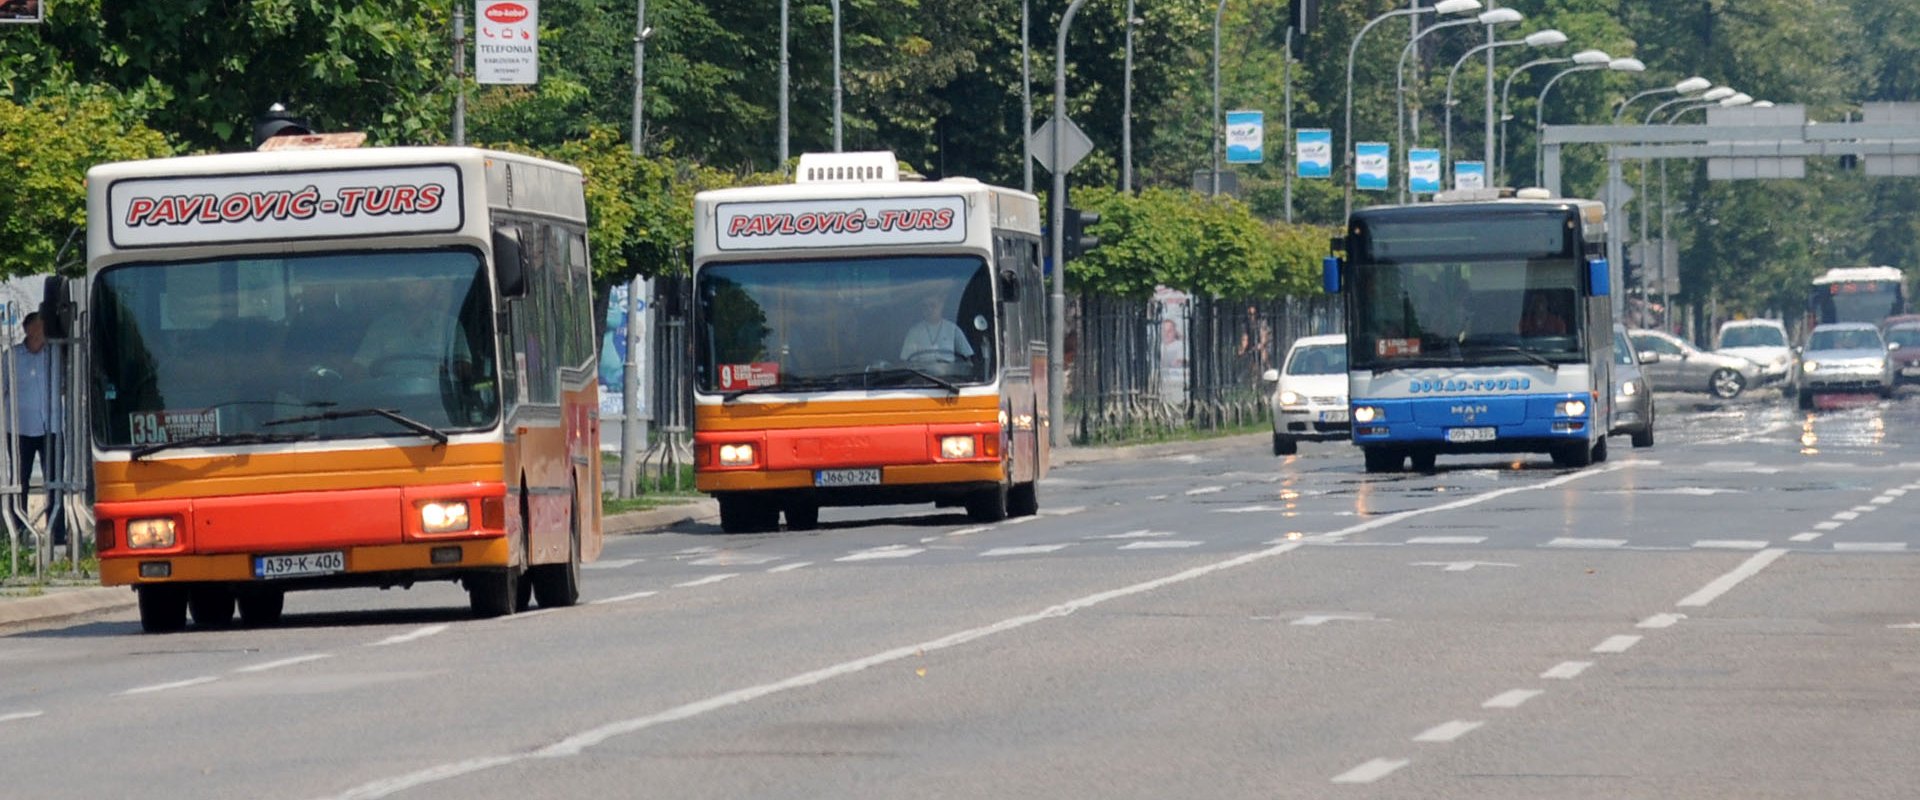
1685	368
1844	357
1632	396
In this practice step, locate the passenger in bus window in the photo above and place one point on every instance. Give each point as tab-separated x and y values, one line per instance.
1540	319
416	344
934	340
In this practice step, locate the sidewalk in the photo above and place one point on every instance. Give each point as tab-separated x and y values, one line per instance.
23	604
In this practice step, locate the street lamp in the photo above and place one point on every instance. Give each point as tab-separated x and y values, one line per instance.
1690	86
1540	107
1546	38
1713	95
1724	97
1126	111
1498	16
1442	7
1506	89
1730	101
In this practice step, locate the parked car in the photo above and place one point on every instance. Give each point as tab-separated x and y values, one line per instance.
1903	331
1632	396
1681	367
1761	341
1310	393
1844	357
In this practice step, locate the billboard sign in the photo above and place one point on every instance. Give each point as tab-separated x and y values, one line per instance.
1470	175
25	12
1371	164
1246	137
1423	170
1313	152
506	41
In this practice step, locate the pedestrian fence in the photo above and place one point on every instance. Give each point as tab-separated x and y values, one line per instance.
31	508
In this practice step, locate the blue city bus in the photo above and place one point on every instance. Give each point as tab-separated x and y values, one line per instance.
1477	323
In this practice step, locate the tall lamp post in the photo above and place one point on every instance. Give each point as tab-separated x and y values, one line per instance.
1353	51
1126	107
836	77
784	80
1691	86
1546	38
1539	108
1497	16
1726	98
1218	12
1506	91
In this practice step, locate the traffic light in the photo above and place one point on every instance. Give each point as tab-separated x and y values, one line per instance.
277	121
1074	237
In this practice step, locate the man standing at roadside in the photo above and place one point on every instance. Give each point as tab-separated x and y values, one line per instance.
36	430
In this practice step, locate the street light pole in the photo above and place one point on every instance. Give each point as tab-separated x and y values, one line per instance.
785	78
1218	11
1057	330
459	73
836	77
1353	51
640	35
1506	113
1488	18
1026	101
1544	38
1126	110
1540	106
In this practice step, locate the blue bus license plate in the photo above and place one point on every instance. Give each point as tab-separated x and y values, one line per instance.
1471	434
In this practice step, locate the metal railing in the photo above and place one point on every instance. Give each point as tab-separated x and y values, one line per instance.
30	512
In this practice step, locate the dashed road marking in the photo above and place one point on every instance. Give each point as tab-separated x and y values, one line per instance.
878	553
1028	550
1730	544
623	598
1205	490
1566	670
1446	540
1162	544
1895	492
1315	620
1567	541
1016	521
1512	698
1846	515
410	636
1827	526
161	687
1448	731
1658	621
1252	509
791	567
735	560
1616	644
1804	537
285	662
1062	511
970	531
710	579
1870	547
1721	585
20	715
1865	509
1460	566
1139	534
1371	771
612	563
1882	499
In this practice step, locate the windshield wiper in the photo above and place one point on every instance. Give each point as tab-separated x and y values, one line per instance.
788	385
950	386
219	438
1520	351
437	435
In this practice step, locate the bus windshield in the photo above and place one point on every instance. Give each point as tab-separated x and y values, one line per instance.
1856	301
821	325
1476	313
238	348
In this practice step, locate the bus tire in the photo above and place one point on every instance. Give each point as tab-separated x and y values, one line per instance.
163	608
1024	499
558	585
494	592
1600	450
212	606
1574	454
988	505
259	608
748	515
1382	459
1425	462
802	515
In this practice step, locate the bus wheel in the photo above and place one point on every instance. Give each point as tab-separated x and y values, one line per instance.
1024	499
748	515
1425	462
1575	454
1600	450
493	593
1381	459
802	515
163	608
212	606
988	505
261	607
556	585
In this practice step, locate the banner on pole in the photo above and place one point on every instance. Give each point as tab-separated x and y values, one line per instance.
1313	152
1423	170
21	11
1246	137
1371	161
1469	174
506	41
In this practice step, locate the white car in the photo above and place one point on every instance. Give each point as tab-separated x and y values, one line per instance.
1761	341
1310	393
1844	357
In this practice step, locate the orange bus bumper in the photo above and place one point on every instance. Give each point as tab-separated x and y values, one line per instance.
237	568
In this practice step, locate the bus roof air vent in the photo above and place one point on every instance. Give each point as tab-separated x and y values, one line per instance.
871	167
1533	193
1467	196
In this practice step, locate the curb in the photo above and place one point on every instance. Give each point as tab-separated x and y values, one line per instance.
64	603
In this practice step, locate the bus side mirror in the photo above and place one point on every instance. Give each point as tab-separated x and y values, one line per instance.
1599	280
1009	280
56	311
509	262
1330	274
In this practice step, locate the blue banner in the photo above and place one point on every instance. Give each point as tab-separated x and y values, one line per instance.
1246	137
1313	152
1423	171
1469	174
1371	165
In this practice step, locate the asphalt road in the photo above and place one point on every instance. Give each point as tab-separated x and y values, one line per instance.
1734	613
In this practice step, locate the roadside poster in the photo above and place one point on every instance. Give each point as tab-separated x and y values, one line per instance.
506	41
1313	152
21	11
1246	137
1470	175
1423	170
1371	161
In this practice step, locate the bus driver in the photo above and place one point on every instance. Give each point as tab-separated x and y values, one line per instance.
934	340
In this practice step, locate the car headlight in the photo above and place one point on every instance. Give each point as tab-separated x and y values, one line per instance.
444	516
736	455
956	447
150	534
1571	408
1810	366
1365	414
1289	398
1629	389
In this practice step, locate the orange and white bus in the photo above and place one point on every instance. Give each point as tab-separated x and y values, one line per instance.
336	368
862	339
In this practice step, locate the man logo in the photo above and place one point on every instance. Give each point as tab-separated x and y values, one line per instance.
1469	411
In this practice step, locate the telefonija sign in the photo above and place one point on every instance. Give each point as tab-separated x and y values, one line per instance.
152	212
506	41
841	223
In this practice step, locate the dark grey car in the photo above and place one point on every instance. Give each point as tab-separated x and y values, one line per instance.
1685	368
1632	395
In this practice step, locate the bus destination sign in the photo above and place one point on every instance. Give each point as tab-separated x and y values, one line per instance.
193	210
863	222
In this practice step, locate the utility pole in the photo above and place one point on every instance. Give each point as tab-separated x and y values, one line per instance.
1057	333
640	34
1026	101
784	78
632	428
459	73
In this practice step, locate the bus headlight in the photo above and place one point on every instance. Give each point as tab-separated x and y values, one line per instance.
150	534
956	447
444	516
1366	413
1571	408
736	455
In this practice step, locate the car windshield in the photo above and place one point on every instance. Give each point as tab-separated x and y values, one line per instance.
1905	337
1318	359
1622	350
1846	339
1753	336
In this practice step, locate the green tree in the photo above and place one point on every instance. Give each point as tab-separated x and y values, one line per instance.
47	146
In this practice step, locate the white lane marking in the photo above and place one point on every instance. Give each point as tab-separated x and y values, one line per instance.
1616	644
1719	586
1730	544
970	531
577	743
1566	670
1017	521
1906	626
612	563
1804	537
285	662
536	613
695	551
890	551
1827	526
791	567
1883	499
1658	621
1865	509
20	715
1895	492
1062	511
735	560
1870	547
710	579
1028	550
1162	544
1157	498
1460	566
622	598
1446	540
1512	698
1205	490
1253	509
1312	620
1568	541
1139	534
1448	731
161	687
1846	515
411	636
1371	771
